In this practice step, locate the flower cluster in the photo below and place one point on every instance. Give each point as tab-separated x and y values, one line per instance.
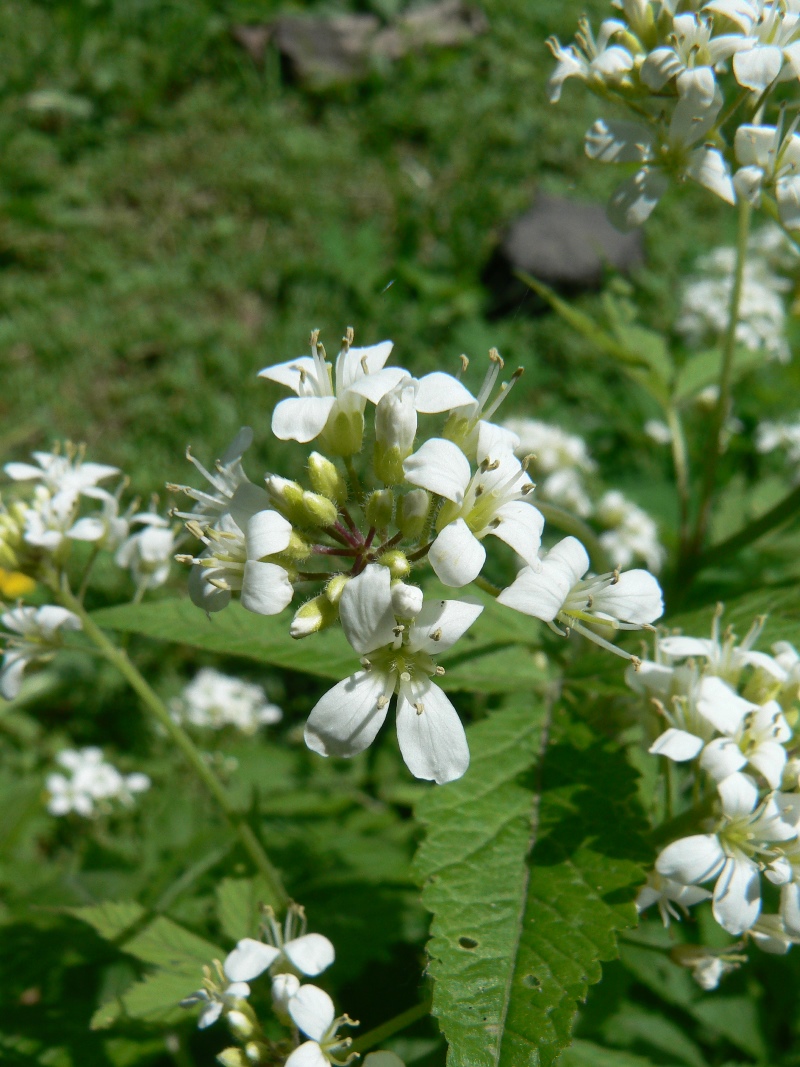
213	700
438	499
288	955
772	436
761	325
91	785
685	75
564	466
61	501
729	712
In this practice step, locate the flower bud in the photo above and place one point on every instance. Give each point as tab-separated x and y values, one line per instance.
395	430
326	479
313	616
242	1023
299	506
397	562
406	600
412	513
298	548
284	987
234	1057
335	587
379	509
343	432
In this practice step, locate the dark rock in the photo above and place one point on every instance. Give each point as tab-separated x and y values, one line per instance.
566	244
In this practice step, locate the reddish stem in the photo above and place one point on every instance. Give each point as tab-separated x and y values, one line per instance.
326	550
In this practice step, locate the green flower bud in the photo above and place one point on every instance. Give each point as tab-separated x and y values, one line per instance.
299	506
320	510
298	548
343	432
234	1057
397	562
379	509
457	429
412	513
326	479
242	1024
388	464
335	587
314	615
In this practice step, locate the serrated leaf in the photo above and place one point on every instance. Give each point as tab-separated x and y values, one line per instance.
172	947
781	606
473	664
238	910
702	369
111	918
156	999
586	1054
529	871
634	1024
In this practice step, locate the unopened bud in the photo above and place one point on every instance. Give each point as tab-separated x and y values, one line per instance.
335	588
344	432
457	429
284	987
397	563
379	509
326	479
406	600
412	513
395	430
299	506
298	548
234	1057
241	1024
313	616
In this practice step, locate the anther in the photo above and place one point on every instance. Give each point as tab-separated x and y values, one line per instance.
382	701
439	671
349	334
495	357
420	707
399	629
437	634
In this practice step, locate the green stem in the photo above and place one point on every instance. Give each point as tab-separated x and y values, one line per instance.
786	509
725	379
571	524
119	659
486	586
391	1026
680	460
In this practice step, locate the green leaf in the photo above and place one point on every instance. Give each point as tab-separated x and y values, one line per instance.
172	947
701	370
529	865
636	1025
111	918
238	909
781	606
237	632
155	999
586	1054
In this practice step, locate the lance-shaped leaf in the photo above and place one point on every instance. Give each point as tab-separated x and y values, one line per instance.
530	866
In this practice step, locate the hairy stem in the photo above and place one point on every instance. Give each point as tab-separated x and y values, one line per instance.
279	898
392	1026
680	461
725	379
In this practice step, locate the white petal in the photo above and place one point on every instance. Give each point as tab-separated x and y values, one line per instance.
691	859
769	758
440	467
747	182
265	533
51	618
635	598
661	65
365	609
737	895
758	67
448	619
633	202
739	795
571	558
22	472
310	954
438	392
350	364
209	1015
346	719
683	647
309	1054
203	594
723	708
374	387
312	1011
699	103
266	588
495	442
433	744
88	529
301	418
247	500
619	142
11	674
521	526
790	908
249	959
540	593
651	679
678	745
764	663
708	168
290	373
753	146
457	555
787	193
722	757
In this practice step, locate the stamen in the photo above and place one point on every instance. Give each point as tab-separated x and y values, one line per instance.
382	702
505	389
437	634
439	671
464	365
420	707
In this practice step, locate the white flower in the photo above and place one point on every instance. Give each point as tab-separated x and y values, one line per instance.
216	996
396	658
768	158
707	965
92	780
554	592
214	700
492	501
227	477
36	635
565	488
107	529
313	1013
149	552
284	987
49	519
598	61
319	407
237	557
744	840
290	950
464	424
771	936
773	435
666	893
693	117
769	49
552	448
658	431
723	656
634	533
63	475
692	45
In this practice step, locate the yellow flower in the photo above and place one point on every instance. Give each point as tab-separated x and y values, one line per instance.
14	584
